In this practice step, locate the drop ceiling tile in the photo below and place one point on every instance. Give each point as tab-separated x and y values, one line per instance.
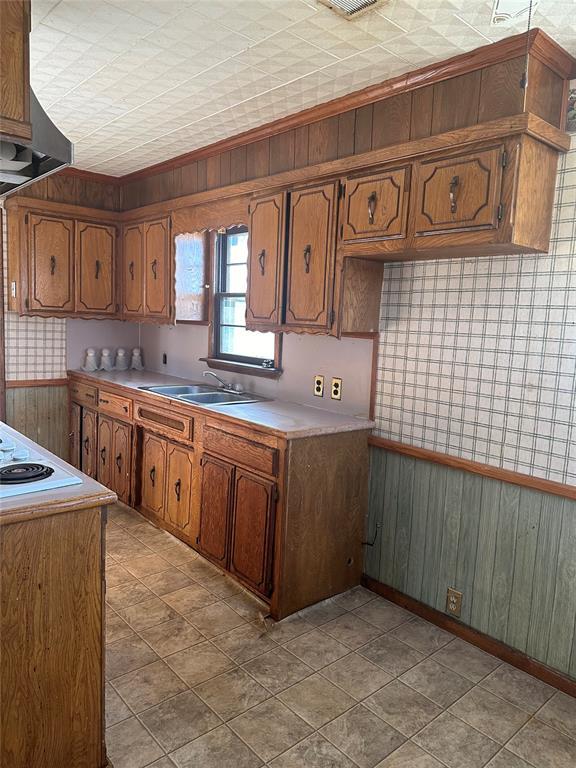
286	56
258	19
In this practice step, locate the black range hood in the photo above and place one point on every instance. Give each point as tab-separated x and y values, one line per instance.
48	152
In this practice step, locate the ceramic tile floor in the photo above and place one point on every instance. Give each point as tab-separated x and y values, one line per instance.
197	677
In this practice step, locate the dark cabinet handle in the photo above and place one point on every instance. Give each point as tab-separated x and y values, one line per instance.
131	270
262	260
154	267
97	268
119	462
307	256
153	476
86	444
177	488
103	455
372	207
453	187
52	265
103	400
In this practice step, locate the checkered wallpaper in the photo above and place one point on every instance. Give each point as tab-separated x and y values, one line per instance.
478	356
35	346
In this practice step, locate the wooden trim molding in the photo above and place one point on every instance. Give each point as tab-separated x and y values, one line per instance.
486	470
479	639
22	383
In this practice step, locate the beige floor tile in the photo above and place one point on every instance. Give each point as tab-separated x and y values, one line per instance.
409	755
232	693
116	574
150	536
126	655
148	686
383	614
215	619
362	736
322	613
116	628
129	745
189	598
422	636
199	663
147	613
277	670
124	516
436	682
560	713
287	629
144	566
247	606
506	759
164	762
316	700
467	660
351	630
222	586
455	743
313	752
356	675
116	709
354	598
127	594
179	720
171	637
518	688
270	729
177	555
543	746
317	649
403	708
390	654
201	570
489	714
218	749
166	581
245	642
128	549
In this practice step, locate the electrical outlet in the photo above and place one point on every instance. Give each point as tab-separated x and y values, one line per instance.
318	385
336	390
454	602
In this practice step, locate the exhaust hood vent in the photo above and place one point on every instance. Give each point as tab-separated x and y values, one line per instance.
352	9
506	12
48	152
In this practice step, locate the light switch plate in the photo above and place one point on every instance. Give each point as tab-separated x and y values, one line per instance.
318	385
336	389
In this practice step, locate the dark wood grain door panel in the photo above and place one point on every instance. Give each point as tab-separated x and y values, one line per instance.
376	206
179	487
105	451
122	460
95	268
75	434
153	474
132	270
89	464
51	263
157	261
266	261
216	493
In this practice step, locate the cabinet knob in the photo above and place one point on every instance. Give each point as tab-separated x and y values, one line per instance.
262	261
153	476
103	455
119	462
97	269
455	181
131	270
154	266
372	207
178	488
307	256
86	444
52	265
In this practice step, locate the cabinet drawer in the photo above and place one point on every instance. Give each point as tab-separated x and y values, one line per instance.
115	405
241	450
83	394
166	422
376	206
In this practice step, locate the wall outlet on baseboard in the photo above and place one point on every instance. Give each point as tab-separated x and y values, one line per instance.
336	389
454	602
318	385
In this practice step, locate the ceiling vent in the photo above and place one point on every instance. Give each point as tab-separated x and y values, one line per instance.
509	11
352	9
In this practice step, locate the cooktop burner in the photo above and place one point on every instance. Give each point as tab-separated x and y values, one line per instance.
24	473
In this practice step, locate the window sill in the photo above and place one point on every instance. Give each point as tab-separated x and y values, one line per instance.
245	368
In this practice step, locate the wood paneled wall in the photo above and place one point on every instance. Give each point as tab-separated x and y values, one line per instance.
510	550
40	413
76	188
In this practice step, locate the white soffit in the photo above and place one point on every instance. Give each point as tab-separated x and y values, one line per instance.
136	82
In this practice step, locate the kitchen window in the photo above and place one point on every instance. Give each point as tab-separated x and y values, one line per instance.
231	342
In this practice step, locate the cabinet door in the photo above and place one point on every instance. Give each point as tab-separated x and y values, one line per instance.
266	261
75	434
105	452
215	508
179	487
51	264
458	193
132	270
122	455
376	206
153	474
311	257
253	530
89	442
95	268
157	260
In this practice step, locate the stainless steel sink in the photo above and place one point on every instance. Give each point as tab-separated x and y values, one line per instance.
178	390
218	398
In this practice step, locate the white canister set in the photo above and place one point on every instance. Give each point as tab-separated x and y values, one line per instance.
105	362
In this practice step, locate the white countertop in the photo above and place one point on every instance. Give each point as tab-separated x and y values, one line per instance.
290	420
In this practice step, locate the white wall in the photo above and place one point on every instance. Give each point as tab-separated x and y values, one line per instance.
97	333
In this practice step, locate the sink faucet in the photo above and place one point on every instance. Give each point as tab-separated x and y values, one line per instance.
221	383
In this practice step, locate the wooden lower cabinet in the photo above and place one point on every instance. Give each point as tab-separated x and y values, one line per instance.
105	450
216	494
122	464
75	435
153	474
89	459
178	487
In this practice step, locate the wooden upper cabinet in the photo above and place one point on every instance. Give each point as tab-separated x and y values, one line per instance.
252	534
311	257
105	452
179	487
15	73
50	264
458	193
121	460
89	461
216	495
376	206
266	261
95	268
157	268
153	473
132	270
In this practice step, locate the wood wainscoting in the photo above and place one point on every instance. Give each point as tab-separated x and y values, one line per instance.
39	410
511	551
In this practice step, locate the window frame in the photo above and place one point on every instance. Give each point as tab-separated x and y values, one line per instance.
206	235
